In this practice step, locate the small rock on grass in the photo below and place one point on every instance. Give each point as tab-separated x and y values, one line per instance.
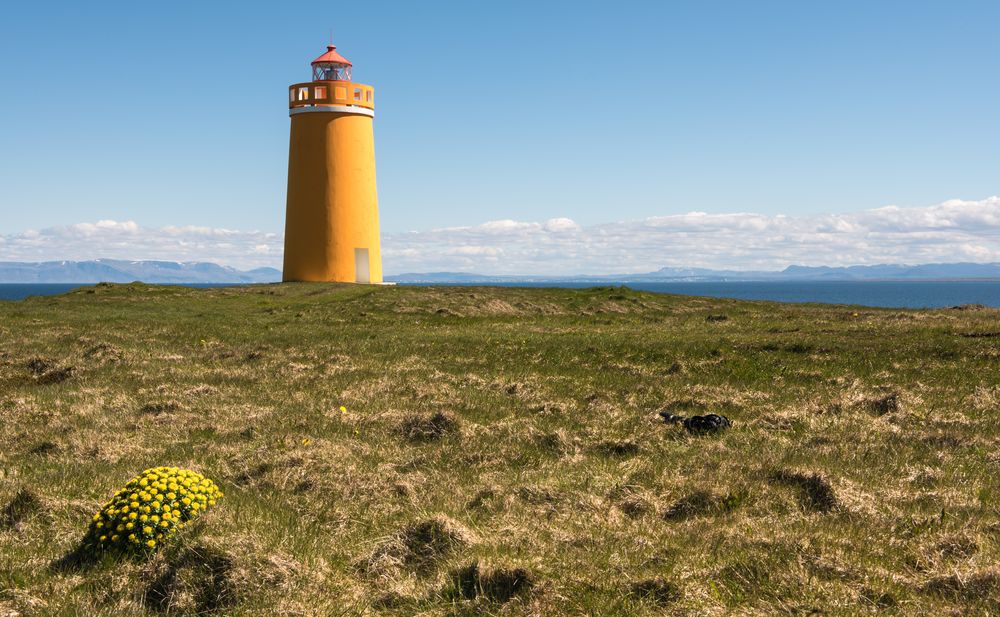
699	425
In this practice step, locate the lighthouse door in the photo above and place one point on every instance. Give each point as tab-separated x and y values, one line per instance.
361	273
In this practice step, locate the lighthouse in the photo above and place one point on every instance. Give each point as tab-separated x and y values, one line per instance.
331	217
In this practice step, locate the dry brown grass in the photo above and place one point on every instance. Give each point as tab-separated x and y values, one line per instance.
501	453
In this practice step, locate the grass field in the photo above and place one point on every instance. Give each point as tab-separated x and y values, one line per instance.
501	453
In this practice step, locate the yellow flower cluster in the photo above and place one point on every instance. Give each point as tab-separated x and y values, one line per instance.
151	508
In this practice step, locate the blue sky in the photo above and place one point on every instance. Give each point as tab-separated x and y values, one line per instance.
173	117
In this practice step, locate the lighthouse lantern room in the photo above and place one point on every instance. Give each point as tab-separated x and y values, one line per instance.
331	66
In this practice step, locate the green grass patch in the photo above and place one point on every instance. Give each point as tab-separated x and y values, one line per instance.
499	452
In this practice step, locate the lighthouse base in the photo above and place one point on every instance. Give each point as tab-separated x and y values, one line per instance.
331	222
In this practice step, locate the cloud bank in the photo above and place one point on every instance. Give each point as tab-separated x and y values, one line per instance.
952	231
130	241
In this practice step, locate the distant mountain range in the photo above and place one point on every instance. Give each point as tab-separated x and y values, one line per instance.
119	271
886	272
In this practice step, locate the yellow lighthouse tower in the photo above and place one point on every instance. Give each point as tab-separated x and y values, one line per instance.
331	220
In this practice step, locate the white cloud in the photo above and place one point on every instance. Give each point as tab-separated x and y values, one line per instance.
561	224
473	250
130	241
951	231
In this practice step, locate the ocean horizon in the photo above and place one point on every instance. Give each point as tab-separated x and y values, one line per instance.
879	294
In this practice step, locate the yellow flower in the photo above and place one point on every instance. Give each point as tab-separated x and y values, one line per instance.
343	409
153	506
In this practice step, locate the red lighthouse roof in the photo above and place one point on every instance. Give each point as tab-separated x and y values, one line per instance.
331	55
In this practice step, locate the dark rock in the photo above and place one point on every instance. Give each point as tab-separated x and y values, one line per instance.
699	425
710	423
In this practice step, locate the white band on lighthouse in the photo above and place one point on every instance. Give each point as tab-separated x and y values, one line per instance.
340	109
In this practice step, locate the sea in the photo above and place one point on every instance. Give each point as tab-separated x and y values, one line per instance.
889	294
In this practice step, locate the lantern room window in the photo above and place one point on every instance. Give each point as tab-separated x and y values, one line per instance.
331	71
